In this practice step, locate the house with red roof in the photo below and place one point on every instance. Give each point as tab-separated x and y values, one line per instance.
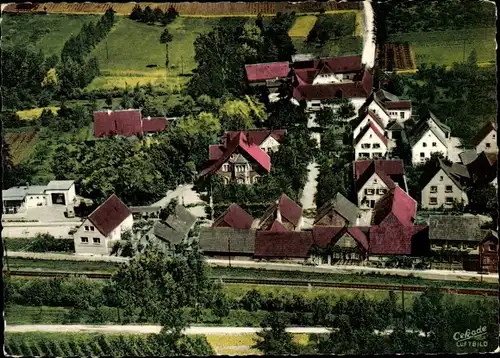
271	75
374	178
393	231
285	211
239	161
103	227
388	107
341	244
268	140
290	245
234	217
127	123
370	143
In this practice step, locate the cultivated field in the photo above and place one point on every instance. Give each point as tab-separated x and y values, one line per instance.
447	47
131	46
48	33
21	144
302	26
188	8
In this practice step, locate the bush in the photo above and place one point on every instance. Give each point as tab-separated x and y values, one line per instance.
48	243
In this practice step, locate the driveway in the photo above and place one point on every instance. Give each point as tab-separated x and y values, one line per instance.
369	45
307	199
185	195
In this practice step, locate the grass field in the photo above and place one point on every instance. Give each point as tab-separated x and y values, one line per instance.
35	112
48	33
302	26
447	47
132	46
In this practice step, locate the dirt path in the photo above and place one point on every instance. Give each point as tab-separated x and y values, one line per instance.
369	45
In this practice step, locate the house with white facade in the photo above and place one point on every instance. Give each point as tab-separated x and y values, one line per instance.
56	192
370	143
429	136
374	178
388	107
444	185
268	140
486	139
103	228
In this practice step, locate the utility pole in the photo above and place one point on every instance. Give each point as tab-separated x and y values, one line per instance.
403	304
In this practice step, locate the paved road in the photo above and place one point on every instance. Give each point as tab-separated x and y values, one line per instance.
369	45
142	329
307	198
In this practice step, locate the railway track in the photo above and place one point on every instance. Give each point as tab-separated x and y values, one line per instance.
278	282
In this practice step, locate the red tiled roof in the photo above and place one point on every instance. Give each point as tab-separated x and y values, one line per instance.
277	227
267	71
290	244
328	91
290	210
398	203
398	105
215	152
391	238
339	64
371	126
257	136
235	217
154	124
128	123
325	235
109	215
389	167
240	142
376	119
367	82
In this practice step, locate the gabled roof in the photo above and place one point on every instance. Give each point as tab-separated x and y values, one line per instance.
288	208
432	170
154	124
109	215
267	71
342	206
257	136
215	151
227	239
59	185
454	227
240	142
440	124
386	170
393	238
339	64
398	203
398	105
468	156
483	169
329	235
290	244
384	96
375	118
277	227
371	126
395	126
235	217
483	132
421	129
360	89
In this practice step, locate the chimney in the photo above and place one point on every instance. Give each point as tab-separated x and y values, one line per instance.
109	112
278	212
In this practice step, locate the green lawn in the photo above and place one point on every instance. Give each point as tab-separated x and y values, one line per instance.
447	47
131	46
46	32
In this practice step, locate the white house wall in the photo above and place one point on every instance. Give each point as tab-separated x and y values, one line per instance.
396	114
34	200
491	138
428	139
90	248
370	138
441	180
364	123
374	183
379	111
270	143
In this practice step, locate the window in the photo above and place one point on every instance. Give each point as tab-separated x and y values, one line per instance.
84	240
424	144
488	145
376	145
377	155
369	191
86	228
38	197
422	155
31	197
97	241
370	136
434	144
486	260
92	228
365	145
440	178
433	201
375	181
402	114
493	136
449	200
492	247
449	189
225	167
381	191
434	189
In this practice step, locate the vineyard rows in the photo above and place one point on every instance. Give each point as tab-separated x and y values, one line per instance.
81	345
397	56
187	8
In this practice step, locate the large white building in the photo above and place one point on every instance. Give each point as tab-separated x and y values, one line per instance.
429	136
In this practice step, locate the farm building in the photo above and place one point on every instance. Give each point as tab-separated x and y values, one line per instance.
286	212
227	242
103	228
234	217
338	212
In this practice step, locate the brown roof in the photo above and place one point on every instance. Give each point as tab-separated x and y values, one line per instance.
226	239
330	91
235	217
257	136
398	203
398	105
291	244
154	124
277	227
339	64
451	227
109	215
267	71
342	206
388	171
